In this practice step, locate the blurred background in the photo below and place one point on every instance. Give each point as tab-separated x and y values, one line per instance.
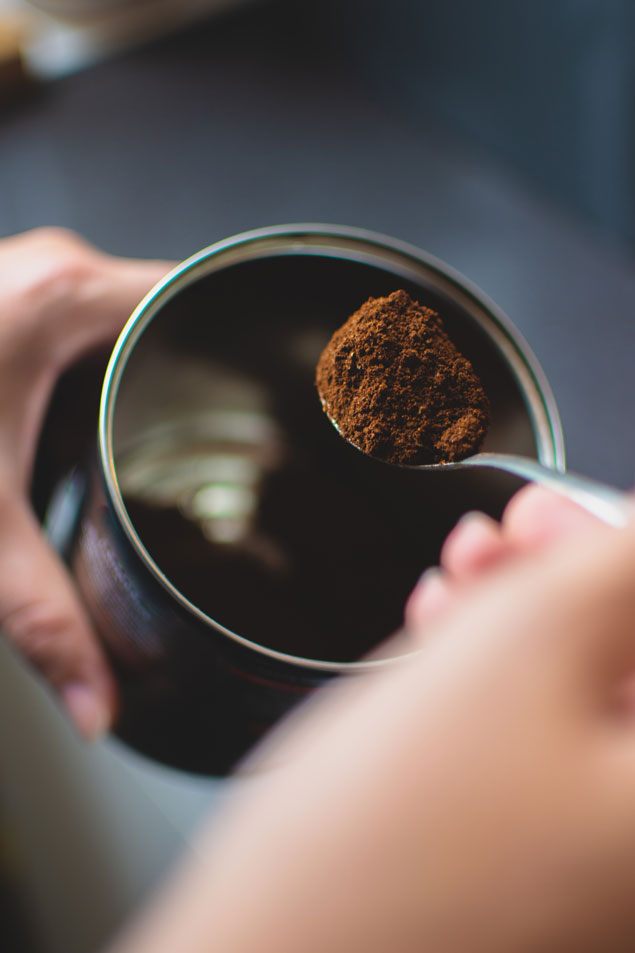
498	135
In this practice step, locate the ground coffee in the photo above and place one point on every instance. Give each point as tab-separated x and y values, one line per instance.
395	385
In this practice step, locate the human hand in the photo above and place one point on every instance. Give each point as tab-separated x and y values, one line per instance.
475	797
59	299
534	518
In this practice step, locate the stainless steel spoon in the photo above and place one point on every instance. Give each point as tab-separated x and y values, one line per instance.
605	502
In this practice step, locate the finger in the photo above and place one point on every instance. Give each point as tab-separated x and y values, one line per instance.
69	295
569	606
533	517
536	516
431	596
42	618
128	281
111	290
475	544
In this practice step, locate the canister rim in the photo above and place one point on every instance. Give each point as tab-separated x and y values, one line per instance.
329	241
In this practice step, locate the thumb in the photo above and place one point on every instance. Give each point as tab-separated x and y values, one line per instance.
102	304
41	616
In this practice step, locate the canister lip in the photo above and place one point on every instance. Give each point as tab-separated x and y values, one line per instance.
337	241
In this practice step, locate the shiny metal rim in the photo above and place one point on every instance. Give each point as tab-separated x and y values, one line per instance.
339	242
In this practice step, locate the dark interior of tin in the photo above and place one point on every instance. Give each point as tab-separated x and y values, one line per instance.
351	535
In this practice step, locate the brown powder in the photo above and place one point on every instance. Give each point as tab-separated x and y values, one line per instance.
395	385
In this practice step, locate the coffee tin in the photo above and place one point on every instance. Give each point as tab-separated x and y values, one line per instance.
233	551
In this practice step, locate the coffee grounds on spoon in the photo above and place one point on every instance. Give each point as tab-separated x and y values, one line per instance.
397	388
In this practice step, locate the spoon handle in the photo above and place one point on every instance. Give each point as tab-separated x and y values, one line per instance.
606	503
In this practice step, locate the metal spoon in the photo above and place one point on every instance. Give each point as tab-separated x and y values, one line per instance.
605	502
608	504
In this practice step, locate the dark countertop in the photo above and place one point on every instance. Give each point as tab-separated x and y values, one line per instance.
230	126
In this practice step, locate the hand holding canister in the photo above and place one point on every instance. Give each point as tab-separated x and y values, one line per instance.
60	298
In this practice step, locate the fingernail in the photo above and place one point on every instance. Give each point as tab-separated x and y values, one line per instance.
429	595
473	526
475	518
432	588
86	709
432	575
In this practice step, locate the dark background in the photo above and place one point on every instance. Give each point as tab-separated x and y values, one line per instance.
494	135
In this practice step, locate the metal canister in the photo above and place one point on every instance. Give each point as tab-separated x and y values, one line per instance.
233	551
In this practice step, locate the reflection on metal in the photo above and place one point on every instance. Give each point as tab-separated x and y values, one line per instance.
209	467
